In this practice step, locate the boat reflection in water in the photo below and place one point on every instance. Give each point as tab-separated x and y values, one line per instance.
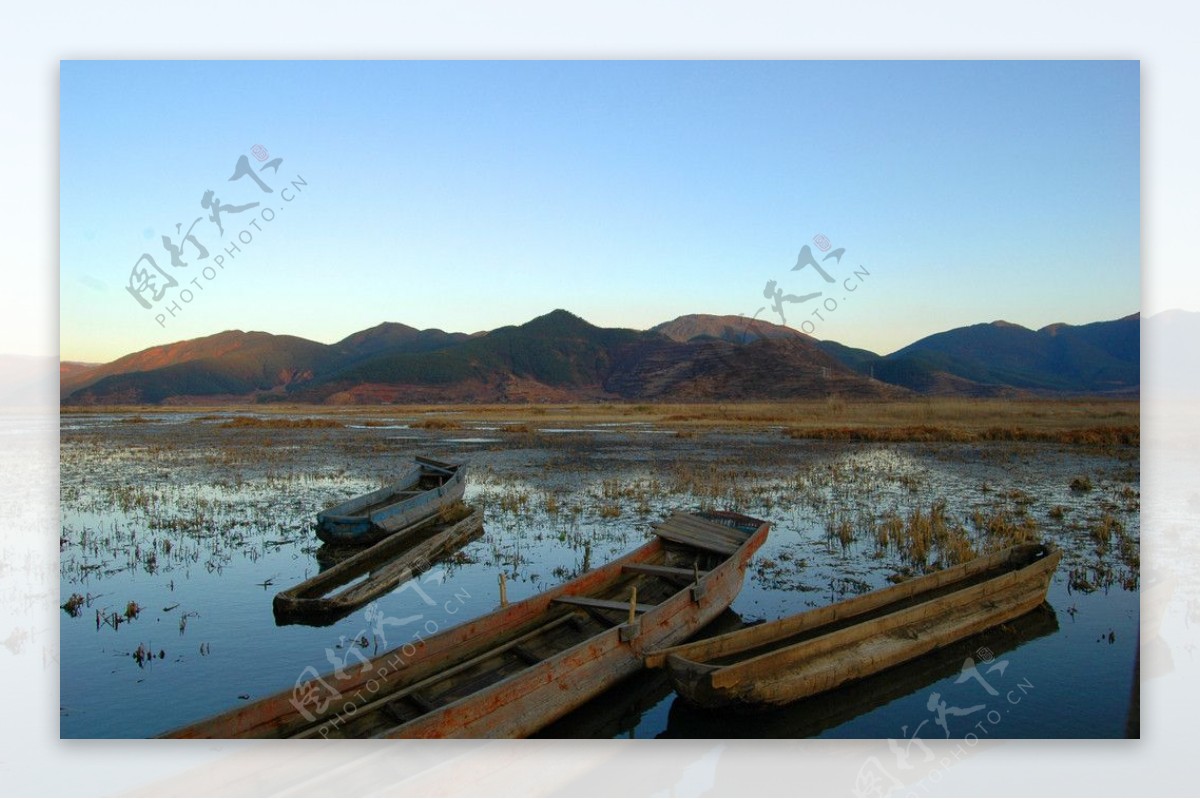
810	717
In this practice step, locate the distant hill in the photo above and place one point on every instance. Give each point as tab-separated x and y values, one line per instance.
72	367
561	357
733	329
857	359
559	352
1097	358
229	364
1000	359
744	358
555	357
394	337
707	368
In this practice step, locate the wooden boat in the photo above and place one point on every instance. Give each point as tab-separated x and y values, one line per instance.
393	560
817	714
414	498
512	671
803	655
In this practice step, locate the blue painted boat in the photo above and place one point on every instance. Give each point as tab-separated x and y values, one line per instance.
416	497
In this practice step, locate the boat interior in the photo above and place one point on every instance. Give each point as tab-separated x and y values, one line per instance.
426	482
1023	557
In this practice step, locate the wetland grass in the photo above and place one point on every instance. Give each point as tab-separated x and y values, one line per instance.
436	424
1067	421
242	422
1105	436
926	540
454	512
610	511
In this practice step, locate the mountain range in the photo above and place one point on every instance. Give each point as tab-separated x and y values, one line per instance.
561	357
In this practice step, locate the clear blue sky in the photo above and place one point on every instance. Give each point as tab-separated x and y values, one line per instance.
469	195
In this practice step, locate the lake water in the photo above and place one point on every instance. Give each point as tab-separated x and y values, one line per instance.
178	529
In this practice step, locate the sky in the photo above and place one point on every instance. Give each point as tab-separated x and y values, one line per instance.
467	195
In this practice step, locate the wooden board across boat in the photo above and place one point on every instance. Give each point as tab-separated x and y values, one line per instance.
416	497
393	560
510	672
803	655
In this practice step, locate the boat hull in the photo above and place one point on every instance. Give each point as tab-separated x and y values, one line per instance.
371	517
317	601
709	675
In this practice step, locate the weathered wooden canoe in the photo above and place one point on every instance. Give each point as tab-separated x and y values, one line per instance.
414	498
814	715
510	672
803	655
318	600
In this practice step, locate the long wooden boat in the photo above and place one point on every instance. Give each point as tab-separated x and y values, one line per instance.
416	497
803	655
814	715
510	672
331	594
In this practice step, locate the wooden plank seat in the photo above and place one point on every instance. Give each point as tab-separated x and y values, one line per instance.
603	604
663	571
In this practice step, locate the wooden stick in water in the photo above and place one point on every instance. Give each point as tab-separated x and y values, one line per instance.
503	592
633	605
